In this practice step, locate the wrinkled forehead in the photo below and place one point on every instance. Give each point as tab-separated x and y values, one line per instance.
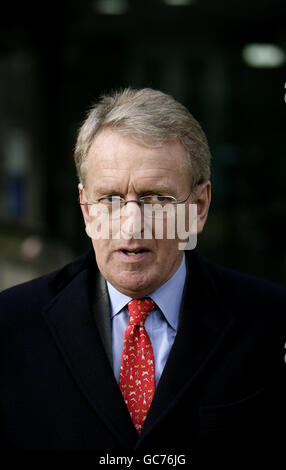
110	147
113	157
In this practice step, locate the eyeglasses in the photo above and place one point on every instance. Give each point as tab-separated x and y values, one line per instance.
155	205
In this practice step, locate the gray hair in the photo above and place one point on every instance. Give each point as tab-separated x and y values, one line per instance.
151	118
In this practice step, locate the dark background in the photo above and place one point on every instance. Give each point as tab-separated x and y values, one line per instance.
55	61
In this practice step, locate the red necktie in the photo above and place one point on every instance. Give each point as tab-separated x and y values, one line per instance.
137	372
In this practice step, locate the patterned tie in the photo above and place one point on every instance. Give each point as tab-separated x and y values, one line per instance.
137	372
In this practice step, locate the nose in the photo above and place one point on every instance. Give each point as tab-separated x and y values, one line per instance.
131	220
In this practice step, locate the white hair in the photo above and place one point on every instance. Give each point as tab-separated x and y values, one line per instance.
151	118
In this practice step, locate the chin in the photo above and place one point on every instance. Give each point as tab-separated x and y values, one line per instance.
134	284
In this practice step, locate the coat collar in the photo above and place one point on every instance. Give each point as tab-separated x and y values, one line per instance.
84	343
204	324
70	319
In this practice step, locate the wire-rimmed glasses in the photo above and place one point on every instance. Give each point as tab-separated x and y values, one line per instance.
154	205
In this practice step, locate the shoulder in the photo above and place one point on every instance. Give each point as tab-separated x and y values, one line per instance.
257	303
26	298
237	284
246	295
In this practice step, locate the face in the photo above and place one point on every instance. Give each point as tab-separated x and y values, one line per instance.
118	165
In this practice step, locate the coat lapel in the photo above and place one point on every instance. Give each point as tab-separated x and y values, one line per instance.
204	324
70	319
85	342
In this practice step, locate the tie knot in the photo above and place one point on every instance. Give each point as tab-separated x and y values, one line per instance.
139	310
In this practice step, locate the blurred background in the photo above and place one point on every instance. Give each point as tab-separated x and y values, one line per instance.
225	60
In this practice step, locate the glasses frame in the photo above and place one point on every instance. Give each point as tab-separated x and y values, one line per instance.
139	201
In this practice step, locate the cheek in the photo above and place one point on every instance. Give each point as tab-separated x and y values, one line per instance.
162	229
167	251
101	249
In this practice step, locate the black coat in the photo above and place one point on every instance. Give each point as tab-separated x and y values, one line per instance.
221	395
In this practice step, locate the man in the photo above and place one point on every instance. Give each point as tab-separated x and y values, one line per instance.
200	373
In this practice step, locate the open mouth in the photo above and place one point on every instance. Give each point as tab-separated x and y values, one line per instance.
133	253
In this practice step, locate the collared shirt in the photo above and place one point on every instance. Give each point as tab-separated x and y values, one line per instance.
161	324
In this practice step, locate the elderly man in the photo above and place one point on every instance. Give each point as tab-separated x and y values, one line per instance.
141	347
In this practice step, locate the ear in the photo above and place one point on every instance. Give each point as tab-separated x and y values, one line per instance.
203	200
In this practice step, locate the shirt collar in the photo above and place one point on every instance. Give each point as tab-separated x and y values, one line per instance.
164	296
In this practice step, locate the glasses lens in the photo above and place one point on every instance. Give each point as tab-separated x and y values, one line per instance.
159	211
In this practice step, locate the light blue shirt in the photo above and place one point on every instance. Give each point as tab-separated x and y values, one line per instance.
161	324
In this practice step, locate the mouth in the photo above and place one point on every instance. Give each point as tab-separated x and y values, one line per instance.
133	254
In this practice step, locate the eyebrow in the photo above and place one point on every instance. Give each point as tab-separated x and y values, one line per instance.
102	190
159	189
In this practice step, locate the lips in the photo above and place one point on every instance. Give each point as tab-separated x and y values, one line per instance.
133	249
133	252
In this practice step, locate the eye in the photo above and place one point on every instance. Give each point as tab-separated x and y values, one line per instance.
110	199
157	199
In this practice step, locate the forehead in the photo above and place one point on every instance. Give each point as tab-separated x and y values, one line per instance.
113	156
